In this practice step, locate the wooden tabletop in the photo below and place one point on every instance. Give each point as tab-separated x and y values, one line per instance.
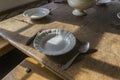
102	61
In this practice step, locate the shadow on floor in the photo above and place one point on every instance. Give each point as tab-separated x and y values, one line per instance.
9	61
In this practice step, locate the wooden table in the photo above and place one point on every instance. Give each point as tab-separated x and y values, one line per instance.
103	59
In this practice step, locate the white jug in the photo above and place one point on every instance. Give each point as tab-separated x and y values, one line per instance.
80	6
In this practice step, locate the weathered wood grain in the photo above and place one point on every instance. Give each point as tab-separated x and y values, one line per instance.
5	46
30	69
101	62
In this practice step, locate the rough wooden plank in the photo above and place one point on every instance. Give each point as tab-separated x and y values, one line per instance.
95	27
5	46
30	69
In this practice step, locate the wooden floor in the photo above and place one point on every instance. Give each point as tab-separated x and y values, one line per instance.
9	61
30	69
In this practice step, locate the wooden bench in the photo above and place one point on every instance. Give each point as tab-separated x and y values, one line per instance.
30	69
5	46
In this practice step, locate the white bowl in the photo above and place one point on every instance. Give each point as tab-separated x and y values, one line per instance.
118	15
104	1
54	42
36	13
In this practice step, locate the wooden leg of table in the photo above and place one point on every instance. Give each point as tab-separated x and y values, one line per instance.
5	46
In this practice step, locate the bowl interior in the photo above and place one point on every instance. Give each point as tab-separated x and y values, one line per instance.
54	42
118	15
36	13
104	1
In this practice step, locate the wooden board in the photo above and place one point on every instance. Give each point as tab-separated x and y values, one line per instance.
5	46
102	60
21	72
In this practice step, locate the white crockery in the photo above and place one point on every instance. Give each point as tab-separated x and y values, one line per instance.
81	5
118	15
36	13
103	1
54	42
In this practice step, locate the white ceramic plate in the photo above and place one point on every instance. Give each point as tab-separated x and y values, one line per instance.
54	42
118	15
36	13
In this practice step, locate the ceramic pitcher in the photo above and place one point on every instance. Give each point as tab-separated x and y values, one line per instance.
81	5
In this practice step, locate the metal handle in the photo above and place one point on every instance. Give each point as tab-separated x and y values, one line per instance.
30	40
69	63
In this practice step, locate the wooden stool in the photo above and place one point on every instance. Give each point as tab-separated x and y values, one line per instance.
30	69
5	46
